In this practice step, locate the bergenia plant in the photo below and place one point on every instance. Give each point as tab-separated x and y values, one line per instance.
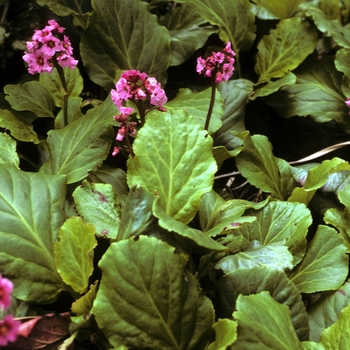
218	67
156	197
144	93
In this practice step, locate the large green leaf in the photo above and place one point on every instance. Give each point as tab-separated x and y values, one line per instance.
262	169
330	27
233	17
196	105
124	35
32	211
317	92
8	152
274	9
274	255
74	253
31	96
147	299
326	310
325	265
53	83
279	221
190	238
284	48
256	280
338	335
174	160
82	145
264	324
235	94
66	7
97	204
187	30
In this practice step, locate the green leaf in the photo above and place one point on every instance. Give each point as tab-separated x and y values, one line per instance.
330	27
316	178
284	48
32	211
325	311
187	30
97	204
83	305
317	92
235	25
310	345
274	9
341	221
196	105
279	221
20	127
191	238
53	83
82	145
147	298
113	176
114	41
225	334
31	96
174	160
8	154
235	94
262	169
342	60
338	335
263	323
74	253
325	256
257	279
272	86
136	214
274	255
228	216
210	202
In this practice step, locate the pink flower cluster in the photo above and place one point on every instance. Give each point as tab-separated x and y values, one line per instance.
220	63
145	92
48	46
9	327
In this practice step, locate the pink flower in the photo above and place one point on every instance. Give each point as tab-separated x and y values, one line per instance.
221	63
6	287
9	329
65	60
38	62
48	46
347	102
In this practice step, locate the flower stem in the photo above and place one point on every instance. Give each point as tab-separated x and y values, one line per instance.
65	96
212	101
128	143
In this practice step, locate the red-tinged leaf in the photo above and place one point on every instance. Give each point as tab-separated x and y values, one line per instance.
43	332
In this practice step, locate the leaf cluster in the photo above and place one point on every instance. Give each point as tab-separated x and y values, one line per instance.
151	251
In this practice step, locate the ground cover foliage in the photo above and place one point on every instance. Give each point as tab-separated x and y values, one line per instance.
200	239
